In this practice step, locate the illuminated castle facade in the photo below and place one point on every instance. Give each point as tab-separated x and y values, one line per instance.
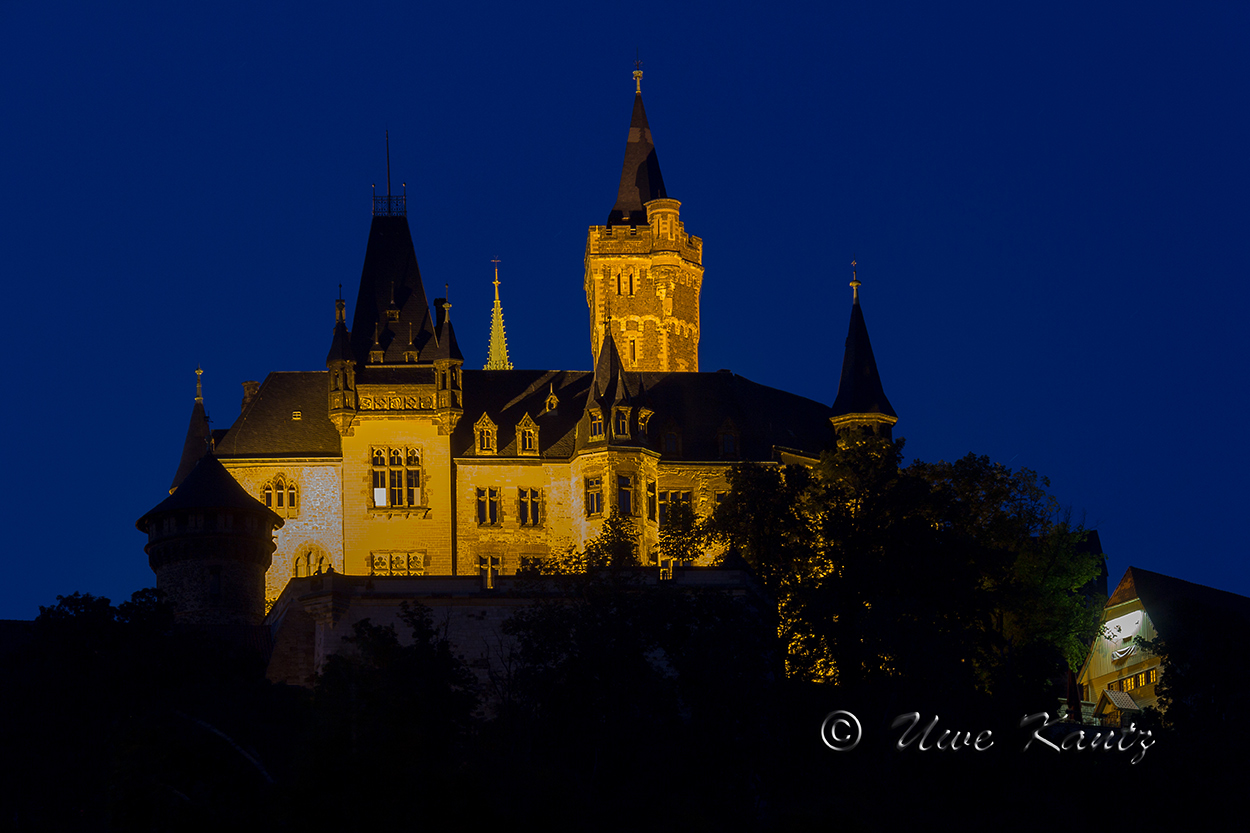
396	460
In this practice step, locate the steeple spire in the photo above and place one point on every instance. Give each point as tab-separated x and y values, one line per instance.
641	181
196	444
497	350
861	399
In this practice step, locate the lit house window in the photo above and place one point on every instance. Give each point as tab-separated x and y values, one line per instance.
529	502
396	476
594	496
484	429
488	506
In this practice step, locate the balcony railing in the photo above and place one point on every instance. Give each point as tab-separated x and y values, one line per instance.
396	206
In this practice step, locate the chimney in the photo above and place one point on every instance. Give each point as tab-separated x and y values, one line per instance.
250	390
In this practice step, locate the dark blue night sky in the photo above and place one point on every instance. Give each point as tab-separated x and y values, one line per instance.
1049	210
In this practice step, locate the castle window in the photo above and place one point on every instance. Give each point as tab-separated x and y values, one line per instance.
528	506
671	498
484	428
620	423
625	494
596	426
618	283
651	500
527	437
631	282
488	506
728	445
594	496
396	477
280	495
633	351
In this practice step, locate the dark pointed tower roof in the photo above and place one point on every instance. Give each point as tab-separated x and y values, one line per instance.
340	344
209	486
860	390
195	445
444	345
610	386
641	181
390	280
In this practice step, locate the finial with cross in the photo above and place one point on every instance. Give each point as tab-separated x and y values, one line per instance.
637	73
855	284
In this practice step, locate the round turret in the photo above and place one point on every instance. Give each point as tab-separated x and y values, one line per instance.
210	543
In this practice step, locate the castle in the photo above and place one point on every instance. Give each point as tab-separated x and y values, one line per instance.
397	461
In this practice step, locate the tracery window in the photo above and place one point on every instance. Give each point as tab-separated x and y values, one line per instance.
279	495
401	563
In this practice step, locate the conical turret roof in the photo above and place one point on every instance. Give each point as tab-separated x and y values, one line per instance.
641	181
196	444
209	486
859	389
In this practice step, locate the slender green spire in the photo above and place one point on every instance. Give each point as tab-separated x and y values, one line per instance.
497	351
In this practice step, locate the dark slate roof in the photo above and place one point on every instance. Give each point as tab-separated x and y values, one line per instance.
208	486
859	389
698	405
266	429
641	181
508	395
611	385
390	277
1173	603
340	345
195	445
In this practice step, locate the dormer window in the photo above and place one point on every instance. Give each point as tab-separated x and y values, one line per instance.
644	416
620	422
596	426
671	443
527	437
484	430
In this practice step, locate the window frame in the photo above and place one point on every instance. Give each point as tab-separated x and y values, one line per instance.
396	471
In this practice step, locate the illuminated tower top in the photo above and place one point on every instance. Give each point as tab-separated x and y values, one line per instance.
861	397
497	349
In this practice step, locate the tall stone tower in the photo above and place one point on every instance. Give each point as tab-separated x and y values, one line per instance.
643	271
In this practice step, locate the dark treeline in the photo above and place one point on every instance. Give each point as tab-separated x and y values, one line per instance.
953	590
